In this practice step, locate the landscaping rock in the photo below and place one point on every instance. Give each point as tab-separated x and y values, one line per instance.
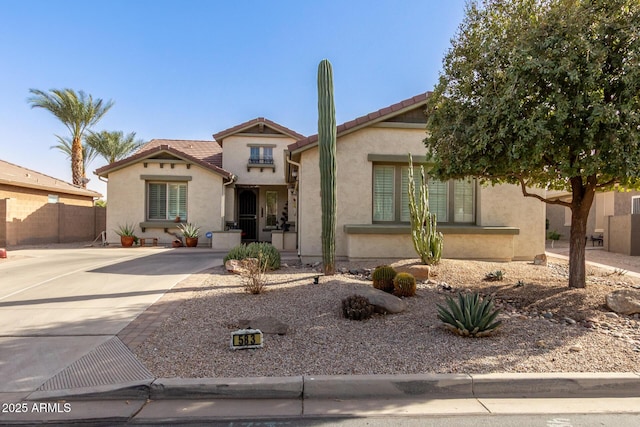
266	324
239	266
419	271
624	301
540	260
382	301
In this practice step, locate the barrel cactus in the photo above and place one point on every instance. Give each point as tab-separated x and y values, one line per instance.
383	278
357	307
404	285
471	316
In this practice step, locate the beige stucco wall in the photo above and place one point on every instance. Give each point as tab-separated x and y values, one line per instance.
505	205
354	173
127	199
236	157
502	205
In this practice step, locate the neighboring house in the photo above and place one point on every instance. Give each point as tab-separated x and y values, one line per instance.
254	177
36	208
614	215
481	222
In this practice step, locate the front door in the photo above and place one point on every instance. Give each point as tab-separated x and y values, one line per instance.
248	214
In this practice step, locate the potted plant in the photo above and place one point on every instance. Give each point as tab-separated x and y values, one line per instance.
127	235
190	233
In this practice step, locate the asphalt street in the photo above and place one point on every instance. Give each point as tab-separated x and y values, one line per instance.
56	305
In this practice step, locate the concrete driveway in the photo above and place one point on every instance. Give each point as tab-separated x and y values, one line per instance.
57	305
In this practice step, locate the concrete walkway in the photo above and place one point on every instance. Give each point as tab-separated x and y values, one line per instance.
138	397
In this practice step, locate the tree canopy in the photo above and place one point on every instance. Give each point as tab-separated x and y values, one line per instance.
542	93
113	146
78	112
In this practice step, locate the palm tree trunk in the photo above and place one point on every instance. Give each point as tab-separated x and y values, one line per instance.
77	164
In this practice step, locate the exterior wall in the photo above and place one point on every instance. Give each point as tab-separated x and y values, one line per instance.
127	199
501	206
505	206
236	157
27	217
354	172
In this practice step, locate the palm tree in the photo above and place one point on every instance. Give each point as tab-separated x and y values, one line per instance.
113	146
65	145
78	112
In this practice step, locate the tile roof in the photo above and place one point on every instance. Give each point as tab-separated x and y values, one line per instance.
360	122
19	176
207	154
249	124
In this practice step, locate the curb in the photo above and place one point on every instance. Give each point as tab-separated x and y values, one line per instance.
430	386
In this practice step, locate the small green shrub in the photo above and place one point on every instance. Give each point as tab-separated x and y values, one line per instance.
263	251
404	285
471	316
494	276
357	307
383	278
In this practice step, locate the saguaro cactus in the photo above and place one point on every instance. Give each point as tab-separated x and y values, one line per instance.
426	240
327	147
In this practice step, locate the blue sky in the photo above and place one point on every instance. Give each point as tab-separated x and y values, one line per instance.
188	69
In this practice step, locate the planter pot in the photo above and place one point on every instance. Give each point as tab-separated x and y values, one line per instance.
126	241
191	242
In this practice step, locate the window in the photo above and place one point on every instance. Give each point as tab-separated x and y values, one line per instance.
53	198
272	209
260	155
166	201
391	199
635	205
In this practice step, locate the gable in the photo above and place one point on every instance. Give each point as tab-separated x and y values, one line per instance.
417	115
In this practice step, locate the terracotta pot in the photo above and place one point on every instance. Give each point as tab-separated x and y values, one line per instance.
126	241
191	242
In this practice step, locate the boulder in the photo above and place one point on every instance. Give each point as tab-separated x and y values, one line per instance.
242	266
624	301
540	260
382	301
266	324
419	271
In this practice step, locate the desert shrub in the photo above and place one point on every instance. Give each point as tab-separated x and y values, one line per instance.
254	275
266	252
383	278
357	307
470	316
404	285
494	276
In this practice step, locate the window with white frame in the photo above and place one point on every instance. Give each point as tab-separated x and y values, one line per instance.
166	201
260	155
452	201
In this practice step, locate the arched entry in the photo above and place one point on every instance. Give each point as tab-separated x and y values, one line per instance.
248	214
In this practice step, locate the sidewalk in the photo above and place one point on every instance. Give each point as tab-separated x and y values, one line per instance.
175	400
599	257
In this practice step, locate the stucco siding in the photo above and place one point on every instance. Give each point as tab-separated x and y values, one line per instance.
354	175
236	157
126	191
499	206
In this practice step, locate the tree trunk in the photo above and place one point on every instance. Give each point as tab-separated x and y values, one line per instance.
582	198
77	164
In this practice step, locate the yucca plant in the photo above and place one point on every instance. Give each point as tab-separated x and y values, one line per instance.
470	316
494	276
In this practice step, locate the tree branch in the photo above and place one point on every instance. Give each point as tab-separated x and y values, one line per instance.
523	185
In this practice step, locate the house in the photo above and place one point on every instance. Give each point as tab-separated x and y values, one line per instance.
36	208
259	178
238	196
614	215
481	222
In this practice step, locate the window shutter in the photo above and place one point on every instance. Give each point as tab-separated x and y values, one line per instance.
157	201
178	201
463	201
635	205
438	199
383	189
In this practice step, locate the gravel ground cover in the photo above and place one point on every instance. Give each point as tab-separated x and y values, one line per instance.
547	327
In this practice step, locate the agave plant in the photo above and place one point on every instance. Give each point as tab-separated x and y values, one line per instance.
189	230
470	316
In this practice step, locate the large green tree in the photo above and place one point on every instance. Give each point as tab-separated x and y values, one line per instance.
113	146
78	112
542	93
